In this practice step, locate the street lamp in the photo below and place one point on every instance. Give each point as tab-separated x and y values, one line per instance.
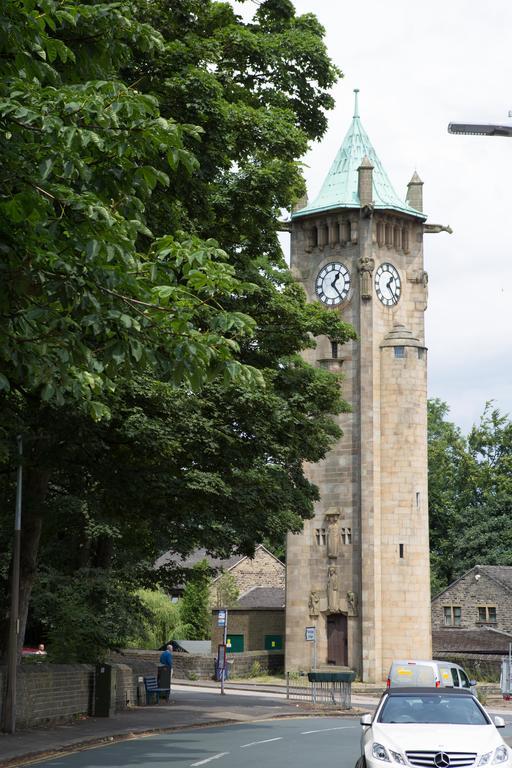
480	129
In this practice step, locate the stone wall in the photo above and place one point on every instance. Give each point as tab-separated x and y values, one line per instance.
52	693
469	593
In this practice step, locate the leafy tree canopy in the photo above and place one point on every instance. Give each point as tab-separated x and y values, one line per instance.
470	493
151	137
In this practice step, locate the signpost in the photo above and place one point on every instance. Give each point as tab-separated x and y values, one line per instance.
310	636
222	621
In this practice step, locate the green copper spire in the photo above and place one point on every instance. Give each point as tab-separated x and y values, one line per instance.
340	188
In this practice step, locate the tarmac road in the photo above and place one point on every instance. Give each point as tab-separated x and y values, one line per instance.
299	743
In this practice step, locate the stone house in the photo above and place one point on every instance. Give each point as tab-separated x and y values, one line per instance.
262	570
480	598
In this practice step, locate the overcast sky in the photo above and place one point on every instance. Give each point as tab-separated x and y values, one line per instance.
419	66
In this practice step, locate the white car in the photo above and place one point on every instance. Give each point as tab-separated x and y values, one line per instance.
426	728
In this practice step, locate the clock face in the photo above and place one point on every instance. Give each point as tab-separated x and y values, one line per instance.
388	284
333	284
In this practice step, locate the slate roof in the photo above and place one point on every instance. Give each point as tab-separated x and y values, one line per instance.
196	557
262	597
340	187
502	574
479	640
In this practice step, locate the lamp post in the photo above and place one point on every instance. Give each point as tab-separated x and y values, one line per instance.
480	129
9	714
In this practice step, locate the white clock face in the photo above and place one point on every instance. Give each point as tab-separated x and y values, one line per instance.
388	285
333	284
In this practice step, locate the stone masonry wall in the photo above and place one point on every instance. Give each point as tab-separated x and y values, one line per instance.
52	693
469	594
263	570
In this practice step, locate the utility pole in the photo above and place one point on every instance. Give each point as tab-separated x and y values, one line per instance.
9	715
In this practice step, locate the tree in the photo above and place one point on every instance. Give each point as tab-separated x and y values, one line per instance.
194	606
451	476
470	493
222	470
487	536
225	591
88	294
162	624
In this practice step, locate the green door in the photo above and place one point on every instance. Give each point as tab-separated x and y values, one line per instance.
235	643
273	642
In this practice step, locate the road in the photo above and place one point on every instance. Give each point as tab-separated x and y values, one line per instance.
321	742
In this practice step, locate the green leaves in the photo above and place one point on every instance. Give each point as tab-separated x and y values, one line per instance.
82	161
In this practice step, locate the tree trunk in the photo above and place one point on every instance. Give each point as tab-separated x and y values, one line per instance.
35	488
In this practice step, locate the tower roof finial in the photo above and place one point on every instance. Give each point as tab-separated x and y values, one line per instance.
356	102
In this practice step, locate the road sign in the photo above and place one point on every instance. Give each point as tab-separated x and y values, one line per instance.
311	634
222	618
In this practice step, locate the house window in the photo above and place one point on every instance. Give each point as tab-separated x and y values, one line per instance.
334	349
346	535
487	614
320	536
399	351
452	616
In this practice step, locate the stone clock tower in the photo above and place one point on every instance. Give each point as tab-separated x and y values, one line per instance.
359	572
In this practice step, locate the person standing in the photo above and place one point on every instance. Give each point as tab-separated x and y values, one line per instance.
166	661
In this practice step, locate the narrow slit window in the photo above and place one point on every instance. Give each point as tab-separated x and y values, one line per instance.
401	548
334	349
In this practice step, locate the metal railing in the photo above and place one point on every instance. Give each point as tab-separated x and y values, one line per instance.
324	694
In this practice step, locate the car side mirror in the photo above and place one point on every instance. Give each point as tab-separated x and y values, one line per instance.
498	722
366	720
472	683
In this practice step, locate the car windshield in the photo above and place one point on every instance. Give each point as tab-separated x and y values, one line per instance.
432	708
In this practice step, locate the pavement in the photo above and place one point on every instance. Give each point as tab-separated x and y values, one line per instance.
191	706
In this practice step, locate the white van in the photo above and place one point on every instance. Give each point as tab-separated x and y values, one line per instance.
438	674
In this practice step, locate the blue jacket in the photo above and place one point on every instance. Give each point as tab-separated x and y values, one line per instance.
166	659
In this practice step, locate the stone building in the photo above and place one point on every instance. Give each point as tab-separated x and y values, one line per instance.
262	570
255	623
482	597
359	572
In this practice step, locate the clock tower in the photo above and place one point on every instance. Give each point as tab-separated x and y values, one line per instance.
359	571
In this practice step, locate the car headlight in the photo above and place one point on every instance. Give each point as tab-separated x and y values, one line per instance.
380	752
500	755
485	759
397	757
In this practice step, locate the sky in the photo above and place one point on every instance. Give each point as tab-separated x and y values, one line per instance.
420	66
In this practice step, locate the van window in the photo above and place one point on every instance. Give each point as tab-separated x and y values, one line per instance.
425	676
464	679
455	677
446	676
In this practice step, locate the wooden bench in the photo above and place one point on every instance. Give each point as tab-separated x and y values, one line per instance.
152	689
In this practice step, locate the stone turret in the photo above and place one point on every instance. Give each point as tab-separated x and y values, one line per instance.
365	182
415	192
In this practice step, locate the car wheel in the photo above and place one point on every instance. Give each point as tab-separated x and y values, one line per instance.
361	763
